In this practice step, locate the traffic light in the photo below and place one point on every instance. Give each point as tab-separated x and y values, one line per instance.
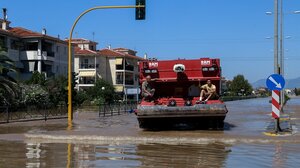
74	79
140	12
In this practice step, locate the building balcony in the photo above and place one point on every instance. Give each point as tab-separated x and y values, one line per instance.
127	67
88	66
86	84
13	54
86	81
34	55
80	85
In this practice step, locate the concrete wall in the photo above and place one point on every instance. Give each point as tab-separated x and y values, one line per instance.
112	67
60	66
76	63
101	71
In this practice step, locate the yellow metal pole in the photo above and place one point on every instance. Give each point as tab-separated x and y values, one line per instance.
70	110
69	159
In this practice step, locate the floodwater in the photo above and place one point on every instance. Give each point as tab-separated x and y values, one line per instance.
118	142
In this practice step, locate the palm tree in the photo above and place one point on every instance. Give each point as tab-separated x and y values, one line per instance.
8	86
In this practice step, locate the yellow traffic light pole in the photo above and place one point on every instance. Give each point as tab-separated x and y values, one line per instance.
70	108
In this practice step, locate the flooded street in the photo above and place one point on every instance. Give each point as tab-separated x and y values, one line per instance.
118	142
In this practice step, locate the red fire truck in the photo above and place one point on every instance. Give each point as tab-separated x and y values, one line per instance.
177	91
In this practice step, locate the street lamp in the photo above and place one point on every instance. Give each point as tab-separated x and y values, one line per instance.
70	110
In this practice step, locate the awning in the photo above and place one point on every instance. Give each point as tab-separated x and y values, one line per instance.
118	88
119	61
86	73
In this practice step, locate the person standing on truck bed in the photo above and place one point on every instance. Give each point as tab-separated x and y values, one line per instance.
147	89
208	91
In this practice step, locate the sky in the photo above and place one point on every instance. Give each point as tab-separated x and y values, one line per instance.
236	31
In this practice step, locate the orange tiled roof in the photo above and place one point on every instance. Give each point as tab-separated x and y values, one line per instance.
80	40
25	33
121	49
112	53
5	32
79	51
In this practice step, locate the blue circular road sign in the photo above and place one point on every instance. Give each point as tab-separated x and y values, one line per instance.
275	82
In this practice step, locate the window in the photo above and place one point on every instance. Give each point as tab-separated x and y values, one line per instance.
91	47
129	65
14	45
2	42
119	64
86	80
86	63
31	46
119	77
129	79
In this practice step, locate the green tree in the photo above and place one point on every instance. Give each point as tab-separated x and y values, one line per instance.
57	89
8	86
37	78
103	92
80	98
35	95
297	91
240	85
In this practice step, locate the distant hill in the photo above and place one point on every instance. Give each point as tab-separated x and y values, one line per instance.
289	83
259	83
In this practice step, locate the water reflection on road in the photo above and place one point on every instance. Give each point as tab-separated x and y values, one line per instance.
142	155
149	155
118	142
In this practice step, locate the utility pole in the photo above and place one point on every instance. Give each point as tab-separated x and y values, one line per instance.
276	68
281	72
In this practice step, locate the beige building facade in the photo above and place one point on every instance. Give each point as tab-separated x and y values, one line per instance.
88	64
117	66
122	68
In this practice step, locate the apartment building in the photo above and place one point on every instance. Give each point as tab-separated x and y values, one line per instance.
122	68
33	51
88	64
117	66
